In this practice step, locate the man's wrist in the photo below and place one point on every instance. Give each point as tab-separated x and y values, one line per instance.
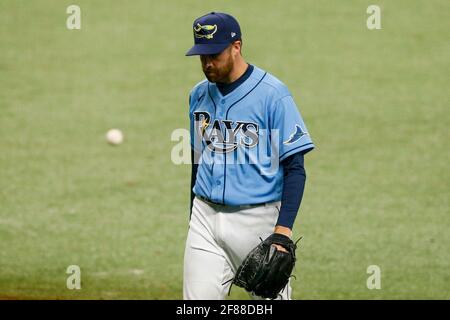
283	230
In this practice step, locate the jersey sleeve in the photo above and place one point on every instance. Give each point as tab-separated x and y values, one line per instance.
287	123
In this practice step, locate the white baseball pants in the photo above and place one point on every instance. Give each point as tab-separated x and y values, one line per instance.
219	239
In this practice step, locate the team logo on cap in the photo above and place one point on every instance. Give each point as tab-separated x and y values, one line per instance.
207	31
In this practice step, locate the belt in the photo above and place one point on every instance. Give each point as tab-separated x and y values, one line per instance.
245	206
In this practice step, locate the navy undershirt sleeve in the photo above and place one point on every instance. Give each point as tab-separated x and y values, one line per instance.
293	186
193	178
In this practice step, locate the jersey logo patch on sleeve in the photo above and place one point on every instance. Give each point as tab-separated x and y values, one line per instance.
296	135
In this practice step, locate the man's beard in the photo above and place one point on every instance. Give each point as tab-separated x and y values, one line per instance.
219	75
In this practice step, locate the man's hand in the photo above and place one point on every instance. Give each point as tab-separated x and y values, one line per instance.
282	230
266	271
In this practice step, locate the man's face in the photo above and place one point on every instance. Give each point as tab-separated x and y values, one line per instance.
217	67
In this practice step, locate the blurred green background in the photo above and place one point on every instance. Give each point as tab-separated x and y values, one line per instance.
375	102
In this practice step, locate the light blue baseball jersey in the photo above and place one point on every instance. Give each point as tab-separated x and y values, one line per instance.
242	137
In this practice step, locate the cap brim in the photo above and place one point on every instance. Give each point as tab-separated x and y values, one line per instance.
203	48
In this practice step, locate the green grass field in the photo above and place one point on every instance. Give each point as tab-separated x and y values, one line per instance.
375	102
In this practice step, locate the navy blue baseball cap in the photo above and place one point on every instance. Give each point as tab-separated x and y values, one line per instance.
213	33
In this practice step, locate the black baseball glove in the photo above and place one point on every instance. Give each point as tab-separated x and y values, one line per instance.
266	270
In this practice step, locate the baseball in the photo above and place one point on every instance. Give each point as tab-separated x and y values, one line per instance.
114	136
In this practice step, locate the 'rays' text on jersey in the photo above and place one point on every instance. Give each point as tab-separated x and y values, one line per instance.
224	136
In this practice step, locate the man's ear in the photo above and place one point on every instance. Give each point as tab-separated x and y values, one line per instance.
237	45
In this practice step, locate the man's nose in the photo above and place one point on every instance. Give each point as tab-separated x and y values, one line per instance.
207	61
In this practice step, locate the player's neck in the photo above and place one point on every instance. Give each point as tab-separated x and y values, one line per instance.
239	69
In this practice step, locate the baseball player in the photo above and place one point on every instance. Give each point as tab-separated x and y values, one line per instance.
248	143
